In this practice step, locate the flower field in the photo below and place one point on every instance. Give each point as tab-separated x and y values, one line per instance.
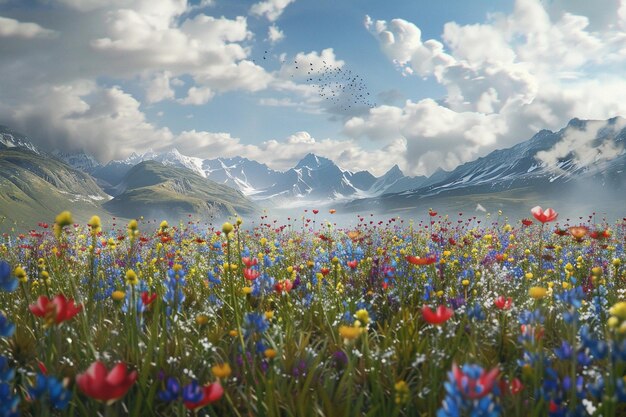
452	316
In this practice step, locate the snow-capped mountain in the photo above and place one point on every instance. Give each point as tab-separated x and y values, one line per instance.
11	139
584	155
78	160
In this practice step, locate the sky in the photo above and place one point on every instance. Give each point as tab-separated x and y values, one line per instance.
443	83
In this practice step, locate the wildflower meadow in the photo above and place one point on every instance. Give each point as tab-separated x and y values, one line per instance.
454	315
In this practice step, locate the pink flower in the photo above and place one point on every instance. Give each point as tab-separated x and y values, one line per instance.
544	216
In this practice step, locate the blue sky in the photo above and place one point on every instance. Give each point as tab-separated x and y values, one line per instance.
451	80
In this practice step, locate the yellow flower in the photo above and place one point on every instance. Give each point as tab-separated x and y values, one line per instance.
349	332
202	319
402	392
131	277
619	310
617	262
270	353
221	370
164	225
227	228
269	315
465	282
537	292
95	224
363	316
613	322
133	226
596	271
64	219
247	290
20	274
529	275
233	333
118	295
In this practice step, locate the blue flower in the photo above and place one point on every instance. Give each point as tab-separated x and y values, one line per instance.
8	282
255	323
58	394
6	327
172	390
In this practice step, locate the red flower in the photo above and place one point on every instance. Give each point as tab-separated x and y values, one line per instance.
100	384
325	271
544	216
315	211
55	311
527	222
249	262
600	234
250	274
502	303
147	298
353	264
578	232
210	394
432	213
441	315
430	259
285	286
475	388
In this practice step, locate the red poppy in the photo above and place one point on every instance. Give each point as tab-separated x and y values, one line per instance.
57	310
325	271
427	260
600	234
210	394
503	303
441	315
432	213
147	298
315	211
249	262
544	216
578	232
353	264
100	384
527	222
560	232
285	285
251	274
475	388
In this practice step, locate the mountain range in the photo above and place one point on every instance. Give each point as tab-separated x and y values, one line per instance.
585	158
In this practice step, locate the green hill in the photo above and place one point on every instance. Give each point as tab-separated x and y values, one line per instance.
36	188
153	190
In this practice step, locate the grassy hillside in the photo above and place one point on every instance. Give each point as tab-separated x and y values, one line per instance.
36	188
151	189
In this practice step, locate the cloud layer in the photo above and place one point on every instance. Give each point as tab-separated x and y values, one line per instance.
504	79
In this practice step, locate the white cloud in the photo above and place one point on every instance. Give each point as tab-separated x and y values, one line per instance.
584	144
274	34
104	121
159	88
505	79
11	28
270	9
198	96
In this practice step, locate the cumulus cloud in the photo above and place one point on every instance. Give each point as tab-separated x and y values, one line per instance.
536	67
84	116
11	28
592	143
274	34
270	9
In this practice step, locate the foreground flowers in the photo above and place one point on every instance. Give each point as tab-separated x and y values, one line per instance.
55	311
100	384
439	316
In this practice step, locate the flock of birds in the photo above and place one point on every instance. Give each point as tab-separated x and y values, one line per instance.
342	88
